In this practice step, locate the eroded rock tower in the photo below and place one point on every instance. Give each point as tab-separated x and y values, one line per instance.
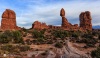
8	21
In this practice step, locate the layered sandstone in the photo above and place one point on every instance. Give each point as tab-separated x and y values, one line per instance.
8	21
65	24
85	20
85	23
39	26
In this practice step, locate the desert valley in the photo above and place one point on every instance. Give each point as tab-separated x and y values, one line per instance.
48	41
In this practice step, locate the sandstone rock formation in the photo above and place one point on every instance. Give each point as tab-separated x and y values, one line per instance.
39	26
85	23
8	21
65	24
85	20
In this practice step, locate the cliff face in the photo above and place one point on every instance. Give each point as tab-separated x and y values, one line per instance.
8	21
85	20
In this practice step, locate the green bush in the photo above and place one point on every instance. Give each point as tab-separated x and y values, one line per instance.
24	48
6	37
8	48
38	34
60	33
58	45
14	48
96	53
11	36
17	36
25	30
40	40
75	35
87	36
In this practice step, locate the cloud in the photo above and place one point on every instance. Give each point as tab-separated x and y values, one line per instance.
48	11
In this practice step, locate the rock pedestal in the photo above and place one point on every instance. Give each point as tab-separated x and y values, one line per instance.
65	23
85	22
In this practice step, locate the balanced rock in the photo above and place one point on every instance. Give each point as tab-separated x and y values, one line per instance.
62	12
65	23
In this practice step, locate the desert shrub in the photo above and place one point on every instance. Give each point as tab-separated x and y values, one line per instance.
8	33
90	42
6	37
50	42
28	41
25	30
38	34
14	49
58	45
24	34
60	33
17	36
90	45
75	35
10	36
96	53
24	48
87	36
8	48
40	39
43	31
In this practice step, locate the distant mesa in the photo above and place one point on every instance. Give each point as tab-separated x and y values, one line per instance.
8	21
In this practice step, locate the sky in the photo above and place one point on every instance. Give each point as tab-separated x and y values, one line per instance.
48	11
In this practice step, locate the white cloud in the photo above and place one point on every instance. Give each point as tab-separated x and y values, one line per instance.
49	12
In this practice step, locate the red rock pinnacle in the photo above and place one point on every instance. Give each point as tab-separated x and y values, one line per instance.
85	20
8	21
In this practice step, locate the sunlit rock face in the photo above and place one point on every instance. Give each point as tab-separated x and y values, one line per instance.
39	26
85	20
85	23
65	24
8	21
